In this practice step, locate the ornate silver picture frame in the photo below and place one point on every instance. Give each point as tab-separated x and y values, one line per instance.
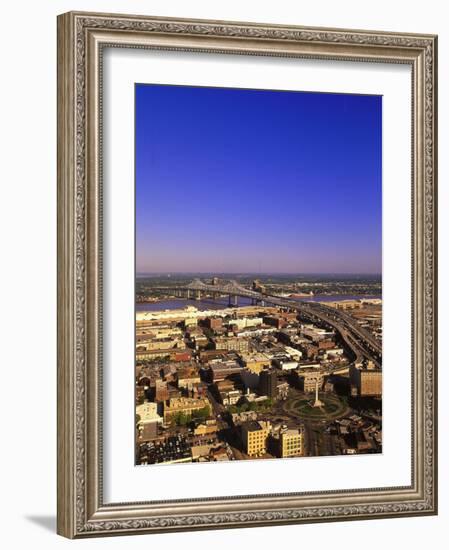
82	38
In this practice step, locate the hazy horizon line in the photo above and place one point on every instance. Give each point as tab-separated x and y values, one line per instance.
141	273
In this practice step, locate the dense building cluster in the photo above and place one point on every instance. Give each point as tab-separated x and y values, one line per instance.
223	384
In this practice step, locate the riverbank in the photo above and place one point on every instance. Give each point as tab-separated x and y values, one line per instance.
220	303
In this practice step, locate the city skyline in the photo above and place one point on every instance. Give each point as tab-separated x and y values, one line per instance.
257	181
257	368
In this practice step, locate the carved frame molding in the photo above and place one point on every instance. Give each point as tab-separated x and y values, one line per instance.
81	39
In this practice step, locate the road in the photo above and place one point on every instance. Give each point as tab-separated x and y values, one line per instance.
356	338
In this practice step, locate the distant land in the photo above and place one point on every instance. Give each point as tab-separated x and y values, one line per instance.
258	274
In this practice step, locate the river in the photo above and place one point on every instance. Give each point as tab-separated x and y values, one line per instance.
220	303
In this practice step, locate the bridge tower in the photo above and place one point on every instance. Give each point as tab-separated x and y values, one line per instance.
257	286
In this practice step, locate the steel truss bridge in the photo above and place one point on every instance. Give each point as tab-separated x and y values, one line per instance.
357	339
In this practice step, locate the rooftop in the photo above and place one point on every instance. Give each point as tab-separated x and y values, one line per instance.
252	426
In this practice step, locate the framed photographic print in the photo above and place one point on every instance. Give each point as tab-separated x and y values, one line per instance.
246	274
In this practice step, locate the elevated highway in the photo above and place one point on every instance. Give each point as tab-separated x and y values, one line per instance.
359	341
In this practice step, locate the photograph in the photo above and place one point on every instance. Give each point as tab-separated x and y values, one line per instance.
258	274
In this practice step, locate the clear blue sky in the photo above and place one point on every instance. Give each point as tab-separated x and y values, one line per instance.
231	180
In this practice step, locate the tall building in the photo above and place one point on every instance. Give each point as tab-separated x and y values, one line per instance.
367	378
254	437
255	362
148	421
291	443
268	383
214	323
161	391
310	378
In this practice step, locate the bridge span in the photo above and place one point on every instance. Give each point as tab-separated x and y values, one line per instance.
357	339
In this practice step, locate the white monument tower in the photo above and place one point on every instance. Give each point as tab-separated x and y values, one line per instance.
317	403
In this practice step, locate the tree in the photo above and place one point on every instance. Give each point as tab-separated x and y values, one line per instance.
268	403
180	419
201	413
